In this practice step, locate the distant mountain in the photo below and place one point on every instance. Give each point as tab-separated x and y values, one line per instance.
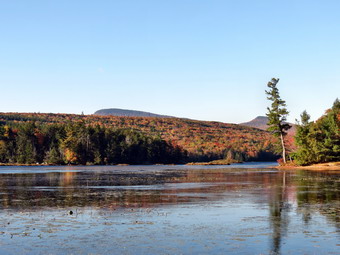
128	113
259	122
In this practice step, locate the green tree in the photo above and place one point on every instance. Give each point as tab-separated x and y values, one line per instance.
53	156
304	155
9	145
336	105
27	144
76	144
277	115
53	136
98	144
327	136
3	149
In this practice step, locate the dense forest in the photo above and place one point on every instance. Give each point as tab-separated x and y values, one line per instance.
92	139
319	141
77	143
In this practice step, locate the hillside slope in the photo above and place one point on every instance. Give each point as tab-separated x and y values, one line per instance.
204	140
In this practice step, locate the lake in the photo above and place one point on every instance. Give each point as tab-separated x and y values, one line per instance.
237	209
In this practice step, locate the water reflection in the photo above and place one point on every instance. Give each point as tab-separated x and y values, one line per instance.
319	192
280	193
152	188
279	205
107	189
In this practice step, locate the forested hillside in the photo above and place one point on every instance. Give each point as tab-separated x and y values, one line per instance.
202	140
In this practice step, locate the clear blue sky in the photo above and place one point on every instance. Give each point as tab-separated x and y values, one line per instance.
208	60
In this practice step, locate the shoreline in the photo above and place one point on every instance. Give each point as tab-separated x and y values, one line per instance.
331	166
187	164
220	162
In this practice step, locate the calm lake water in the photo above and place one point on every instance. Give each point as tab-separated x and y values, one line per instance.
237	209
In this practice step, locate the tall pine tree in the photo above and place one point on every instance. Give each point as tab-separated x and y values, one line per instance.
277	115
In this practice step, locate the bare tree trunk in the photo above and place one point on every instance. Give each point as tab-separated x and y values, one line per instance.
283	149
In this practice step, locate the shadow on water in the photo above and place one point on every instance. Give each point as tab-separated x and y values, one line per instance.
283	195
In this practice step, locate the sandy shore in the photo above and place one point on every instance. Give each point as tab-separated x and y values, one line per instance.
316	167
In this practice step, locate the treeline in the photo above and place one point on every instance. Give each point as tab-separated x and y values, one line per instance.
203	140
319	142
78	143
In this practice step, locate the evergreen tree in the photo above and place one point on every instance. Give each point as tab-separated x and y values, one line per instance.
27	144
53	156
3	149
305	154
9	144
328	137
277	115
53	136
336	105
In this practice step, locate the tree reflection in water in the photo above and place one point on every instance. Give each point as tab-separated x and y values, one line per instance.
319	192
314	192
279	209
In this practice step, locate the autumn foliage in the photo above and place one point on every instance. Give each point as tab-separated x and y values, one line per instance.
202	140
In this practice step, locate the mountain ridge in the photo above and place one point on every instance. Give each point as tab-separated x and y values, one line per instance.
128	113
260	122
